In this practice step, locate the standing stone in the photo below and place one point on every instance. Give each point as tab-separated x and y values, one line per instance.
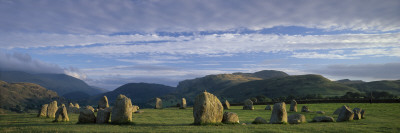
337	111
77	105
227	105
70	108
122	110
158	103
259	120
61	114
230	117
135	108
183	104
305	109
268	107
296	119
357	113
362	114
43	111
345	114
86	116
293	106
207	109
103	115
279	114
52	109
323	119
89	107
248	105
103	103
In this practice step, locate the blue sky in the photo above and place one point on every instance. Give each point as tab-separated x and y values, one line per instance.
111	43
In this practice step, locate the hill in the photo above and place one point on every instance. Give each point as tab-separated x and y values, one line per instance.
21	97
60	83
140	93
392	87
300	85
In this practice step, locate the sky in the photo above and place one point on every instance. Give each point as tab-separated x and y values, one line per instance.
111	43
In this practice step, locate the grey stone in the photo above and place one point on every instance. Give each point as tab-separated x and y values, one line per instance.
207	109
248	105
122	110
230	117
296	119
279	114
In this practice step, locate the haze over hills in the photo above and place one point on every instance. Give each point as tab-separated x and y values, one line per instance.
60	83
24	96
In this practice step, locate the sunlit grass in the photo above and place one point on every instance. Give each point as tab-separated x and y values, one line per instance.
379	118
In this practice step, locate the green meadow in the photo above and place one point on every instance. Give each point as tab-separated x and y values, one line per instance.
380	117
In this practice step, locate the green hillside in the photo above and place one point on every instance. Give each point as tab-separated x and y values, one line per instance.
392	87
300	85
21	97
60	83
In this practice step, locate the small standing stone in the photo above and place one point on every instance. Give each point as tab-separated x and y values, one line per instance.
61	114
296	119
293	106
248	105
227	105
305	109
103	115
183	104
357	113
268	107
158	103
77	105
259	120
279	114
103	103
323	119
86	116
52	109
345	114
43	111
230	117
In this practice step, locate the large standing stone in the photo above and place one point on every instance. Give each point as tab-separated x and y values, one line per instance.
357	113
259	120
61	114
230	117
103	115
248	105
279	114
183	103
305	109
86	116
345	114
293	106
122	110
268	107
296	119
323	119
158	103
227	105
103	103
207	109
52	109
43	111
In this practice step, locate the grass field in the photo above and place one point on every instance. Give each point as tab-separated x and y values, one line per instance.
383	117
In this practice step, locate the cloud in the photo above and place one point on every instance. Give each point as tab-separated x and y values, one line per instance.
387	71
24	62
315	55
102	16
228	44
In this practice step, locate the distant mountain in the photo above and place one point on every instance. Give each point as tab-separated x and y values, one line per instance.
348	81
392	87
21	97
139	93
60	83
300	85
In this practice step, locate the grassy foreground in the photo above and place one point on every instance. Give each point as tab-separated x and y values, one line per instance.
383	117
